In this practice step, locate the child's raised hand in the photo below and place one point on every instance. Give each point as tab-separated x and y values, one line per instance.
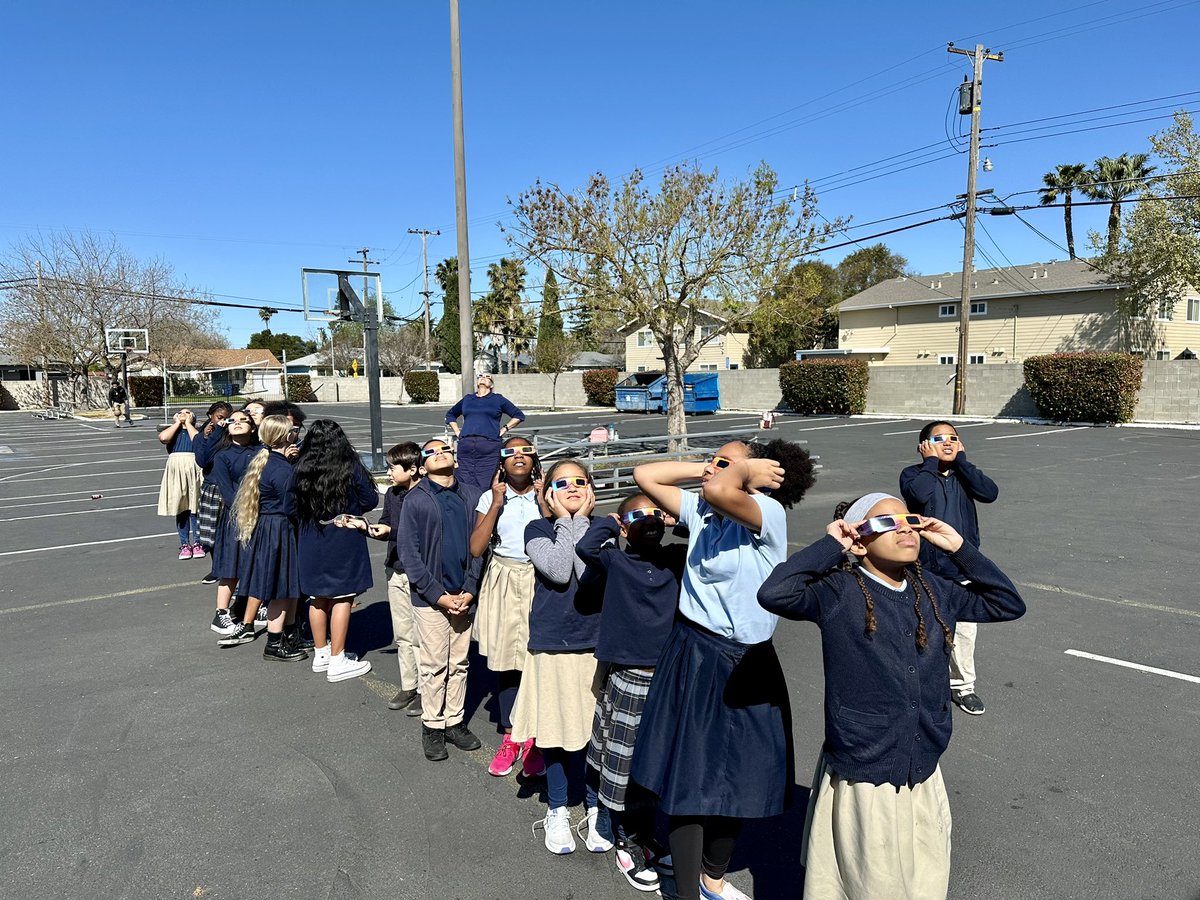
589	502
556	508
763	473
927	450
843	532
941	535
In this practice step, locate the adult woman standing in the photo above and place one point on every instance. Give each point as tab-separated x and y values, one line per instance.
481	431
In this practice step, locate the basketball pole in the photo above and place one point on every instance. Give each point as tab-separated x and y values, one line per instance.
125	383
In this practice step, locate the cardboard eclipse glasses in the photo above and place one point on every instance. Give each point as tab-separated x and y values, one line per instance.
883	524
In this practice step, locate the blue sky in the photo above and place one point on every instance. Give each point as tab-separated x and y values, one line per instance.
242	141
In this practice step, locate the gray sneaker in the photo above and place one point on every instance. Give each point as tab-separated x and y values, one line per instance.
969	702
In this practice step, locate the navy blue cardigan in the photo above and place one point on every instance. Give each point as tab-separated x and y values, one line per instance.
950	498
887	705
420	542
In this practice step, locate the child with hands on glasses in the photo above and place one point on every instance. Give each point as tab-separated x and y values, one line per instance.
641	595
434	541
946	486
887	626
714	742
559	678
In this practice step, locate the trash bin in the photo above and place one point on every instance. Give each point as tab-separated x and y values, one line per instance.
701	392
635	393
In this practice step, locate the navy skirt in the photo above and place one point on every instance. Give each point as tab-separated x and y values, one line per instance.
716	732
227	550
478	459
334	562
270	564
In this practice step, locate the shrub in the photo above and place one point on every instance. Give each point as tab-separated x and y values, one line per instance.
300	389
833	386
146	390
422	387
600	386
1084	387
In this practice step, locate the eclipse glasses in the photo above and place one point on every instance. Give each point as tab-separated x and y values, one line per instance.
643	512
561	484
508	452
882	524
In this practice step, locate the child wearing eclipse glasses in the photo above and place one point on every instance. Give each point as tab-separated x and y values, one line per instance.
641	595
946	486
887	692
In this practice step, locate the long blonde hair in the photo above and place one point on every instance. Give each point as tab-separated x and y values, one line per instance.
273	432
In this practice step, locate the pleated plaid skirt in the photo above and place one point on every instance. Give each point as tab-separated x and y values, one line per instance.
210	511
614	730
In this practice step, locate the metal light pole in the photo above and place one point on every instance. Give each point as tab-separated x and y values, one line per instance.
466	334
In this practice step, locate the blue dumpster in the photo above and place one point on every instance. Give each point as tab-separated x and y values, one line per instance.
636	393
701	392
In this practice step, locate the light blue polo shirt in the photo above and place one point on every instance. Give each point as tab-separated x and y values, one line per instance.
727	564
519	510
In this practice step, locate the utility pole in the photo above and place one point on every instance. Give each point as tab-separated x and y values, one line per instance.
466	339
979	54
364	252
425	233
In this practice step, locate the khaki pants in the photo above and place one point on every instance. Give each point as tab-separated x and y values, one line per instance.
962	658
442	645
404	629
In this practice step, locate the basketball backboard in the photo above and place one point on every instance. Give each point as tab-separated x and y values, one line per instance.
118	341
321	293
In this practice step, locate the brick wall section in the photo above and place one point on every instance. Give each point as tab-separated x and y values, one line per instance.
1170	392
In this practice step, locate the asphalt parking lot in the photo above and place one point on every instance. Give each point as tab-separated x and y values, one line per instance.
143	762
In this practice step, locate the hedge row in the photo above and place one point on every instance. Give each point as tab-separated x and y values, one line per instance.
300	389
1084	387
827	386
422	387
146	390
600	386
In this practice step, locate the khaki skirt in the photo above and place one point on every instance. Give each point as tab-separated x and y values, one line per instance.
502	618
180	488
862	841
557	699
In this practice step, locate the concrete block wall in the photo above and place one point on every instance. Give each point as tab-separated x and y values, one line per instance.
1170	392
996	390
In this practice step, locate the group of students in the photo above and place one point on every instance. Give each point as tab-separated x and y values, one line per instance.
639	673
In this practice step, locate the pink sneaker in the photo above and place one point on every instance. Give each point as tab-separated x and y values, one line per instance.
198	552
534	766
185	552
506	757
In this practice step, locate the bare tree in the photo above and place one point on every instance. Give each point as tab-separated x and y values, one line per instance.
553	355
401	350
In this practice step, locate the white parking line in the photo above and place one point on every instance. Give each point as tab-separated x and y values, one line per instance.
956	427
144	537
79	512
855	424
1132	665
1005	437
76	500
86	475
130	593
123	487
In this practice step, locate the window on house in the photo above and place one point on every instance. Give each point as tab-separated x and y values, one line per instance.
707	331
734	366
641	368
976	359
1161	355
979	308
946	359
1166	310
645	338
1193	310
948	310
708	367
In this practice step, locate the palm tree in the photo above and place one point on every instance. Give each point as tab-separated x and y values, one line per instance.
503	308
265	313
1064	180
1115	180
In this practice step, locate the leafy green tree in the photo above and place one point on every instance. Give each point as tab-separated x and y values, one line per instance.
550	323
595	322
1116	180
1064	181
693	246
869	266
801	314
446	335
294	345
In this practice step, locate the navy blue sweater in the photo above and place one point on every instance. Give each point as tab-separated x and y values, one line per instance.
420	542
887	705
565	615
951	498
482	415
641	595
228	468
205	448
276	488
393	502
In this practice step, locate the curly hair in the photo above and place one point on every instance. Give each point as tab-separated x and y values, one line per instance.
325	472
274	434
798	471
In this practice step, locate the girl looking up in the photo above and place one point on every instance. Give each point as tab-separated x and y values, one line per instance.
887	626
179	493
233	454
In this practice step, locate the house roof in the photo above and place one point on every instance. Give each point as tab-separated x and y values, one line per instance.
233	359
1029	280
629	327
592	359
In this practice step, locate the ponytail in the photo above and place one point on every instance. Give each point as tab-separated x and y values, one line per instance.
245	504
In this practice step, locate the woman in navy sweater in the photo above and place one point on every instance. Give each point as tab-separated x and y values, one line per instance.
335	567
558	683
887	625
479	437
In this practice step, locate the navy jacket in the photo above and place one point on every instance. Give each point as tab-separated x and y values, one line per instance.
641	595
205	449
393	502
420	542
949	497
482	415
887	705
567	594
276	487
228	468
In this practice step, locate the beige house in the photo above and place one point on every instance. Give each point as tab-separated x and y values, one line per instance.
722	351
1016	312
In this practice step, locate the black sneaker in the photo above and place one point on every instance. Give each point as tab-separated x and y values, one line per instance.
301	638
631	860
461	737
403	699
223	623
433	741
280	650
210	578
242	634
969	703
260	618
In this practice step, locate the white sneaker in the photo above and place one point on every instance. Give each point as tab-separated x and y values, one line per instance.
344	666
728	892
320	661
558	831
595	841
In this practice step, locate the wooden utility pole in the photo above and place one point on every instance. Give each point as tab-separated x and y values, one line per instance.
979	54
466	328
425	233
